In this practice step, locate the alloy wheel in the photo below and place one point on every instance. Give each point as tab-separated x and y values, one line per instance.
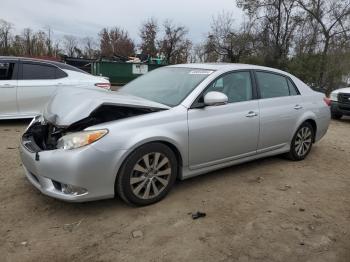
150	175
303	141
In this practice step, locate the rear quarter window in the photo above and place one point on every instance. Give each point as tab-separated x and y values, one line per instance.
38	71
32	71
293	90
60	73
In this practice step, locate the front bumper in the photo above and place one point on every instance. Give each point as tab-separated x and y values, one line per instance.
86	167
340	108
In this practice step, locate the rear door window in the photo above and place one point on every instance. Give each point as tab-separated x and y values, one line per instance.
7	71
31	71
272	85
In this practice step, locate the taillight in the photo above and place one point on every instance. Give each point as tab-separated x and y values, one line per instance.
327	101
103	85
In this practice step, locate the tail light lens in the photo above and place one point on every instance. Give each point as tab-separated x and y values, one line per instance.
104	85
327	101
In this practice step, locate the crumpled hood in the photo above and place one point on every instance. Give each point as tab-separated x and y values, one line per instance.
71	105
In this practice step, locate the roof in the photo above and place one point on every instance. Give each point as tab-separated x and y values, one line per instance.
227	66
57	64
16	58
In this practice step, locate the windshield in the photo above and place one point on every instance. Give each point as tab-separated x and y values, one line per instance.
167	85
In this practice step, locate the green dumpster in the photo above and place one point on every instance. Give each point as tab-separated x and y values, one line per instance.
121	73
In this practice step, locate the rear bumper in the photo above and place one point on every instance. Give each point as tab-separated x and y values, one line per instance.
340	108
86	168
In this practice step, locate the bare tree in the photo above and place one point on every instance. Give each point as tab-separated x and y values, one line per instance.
17	47
148	35
277	21
333	17
174	44
116	42
5	37
70	44
306	40
90	50
199	53
105	43
27	36
39	41
56	50
48	41
225	42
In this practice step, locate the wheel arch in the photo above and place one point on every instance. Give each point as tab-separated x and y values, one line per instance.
173	147
312	122
309	117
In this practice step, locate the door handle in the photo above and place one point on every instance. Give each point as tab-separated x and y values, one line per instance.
251	114
7	86
298	107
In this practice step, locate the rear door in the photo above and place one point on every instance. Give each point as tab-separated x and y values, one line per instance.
280	108
8	88
37	83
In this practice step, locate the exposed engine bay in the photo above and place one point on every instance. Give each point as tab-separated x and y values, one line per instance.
42	136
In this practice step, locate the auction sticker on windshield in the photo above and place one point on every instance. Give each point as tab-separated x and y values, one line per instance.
200	72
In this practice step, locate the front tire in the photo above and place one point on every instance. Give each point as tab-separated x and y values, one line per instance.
302	142
147	175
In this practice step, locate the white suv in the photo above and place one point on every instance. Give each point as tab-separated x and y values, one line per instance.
26	85
340	103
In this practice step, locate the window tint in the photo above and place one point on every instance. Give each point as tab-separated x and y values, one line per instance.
272	85
7	71
38	71
292	88
60	73
237	86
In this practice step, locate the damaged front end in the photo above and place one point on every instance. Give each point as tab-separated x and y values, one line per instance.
44	135
41	136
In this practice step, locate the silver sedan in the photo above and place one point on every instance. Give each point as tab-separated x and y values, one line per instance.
175	122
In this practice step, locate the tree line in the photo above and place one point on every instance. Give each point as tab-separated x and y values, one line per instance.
309	38
174	44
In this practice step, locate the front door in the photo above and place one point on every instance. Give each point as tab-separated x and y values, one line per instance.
222	133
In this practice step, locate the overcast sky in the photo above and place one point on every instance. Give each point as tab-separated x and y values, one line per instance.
87	17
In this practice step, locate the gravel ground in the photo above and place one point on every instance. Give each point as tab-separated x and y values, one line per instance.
268	210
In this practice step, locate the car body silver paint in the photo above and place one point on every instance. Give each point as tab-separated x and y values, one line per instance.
207	138
215	98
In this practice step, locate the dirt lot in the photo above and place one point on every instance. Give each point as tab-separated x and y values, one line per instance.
267	210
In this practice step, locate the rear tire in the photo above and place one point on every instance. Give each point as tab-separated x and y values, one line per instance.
147	175
302	142
336	116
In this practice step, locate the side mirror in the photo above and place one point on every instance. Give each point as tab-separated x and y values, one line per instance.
215	99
